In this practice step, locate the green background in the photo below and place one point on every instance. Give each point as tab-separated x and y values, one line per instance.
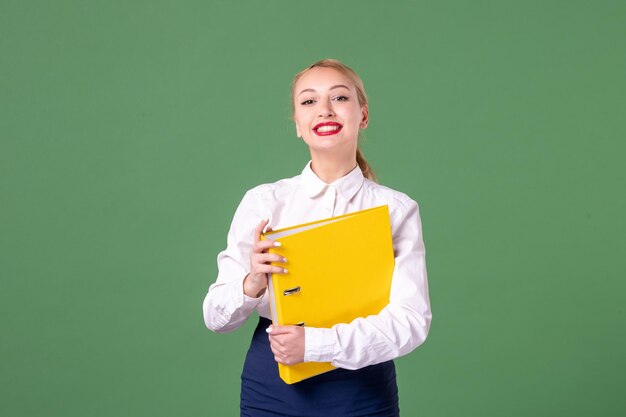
130	130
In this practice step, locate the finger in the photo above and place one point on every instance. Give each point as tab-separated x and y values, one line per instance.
264	258
258	258
259	229
263	245
269	269
278	342
281	330
276	349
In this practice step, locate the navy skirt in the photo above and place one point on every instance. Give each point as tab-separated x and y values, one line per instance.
370	391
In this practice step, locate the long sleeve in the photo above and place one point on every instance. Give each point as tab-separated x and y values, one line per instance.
225	306
402	325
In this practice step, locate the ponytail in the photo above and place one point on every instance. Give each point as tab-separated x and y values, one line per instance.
368	172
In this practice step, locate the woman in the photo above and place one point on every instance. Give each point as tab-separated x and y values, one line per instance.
329	109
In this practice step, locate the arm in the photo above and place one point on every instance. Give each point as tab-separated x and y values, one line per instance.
401	326
225	306
242	266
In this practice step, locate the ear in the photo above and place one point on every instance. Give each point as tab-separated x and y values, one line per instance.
364	117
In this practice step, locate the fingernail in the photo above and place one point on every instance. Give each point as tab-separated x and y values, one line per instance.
284	260
285	271
278	244
269	329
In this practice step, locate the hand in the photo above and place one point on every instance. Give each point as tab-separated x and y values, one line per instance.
287	343
256	281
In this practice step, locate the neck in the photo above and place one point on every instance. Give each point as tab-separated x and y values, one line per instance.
330	168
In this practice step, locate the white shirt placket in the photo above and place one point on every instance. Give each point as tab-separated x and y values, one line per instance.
330	196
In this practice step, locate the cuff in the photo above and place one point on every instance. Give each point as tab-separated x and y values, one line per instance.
243	303
319	344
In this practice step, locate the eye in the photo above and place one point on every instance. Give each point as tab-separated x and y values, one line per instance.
307	102
341	98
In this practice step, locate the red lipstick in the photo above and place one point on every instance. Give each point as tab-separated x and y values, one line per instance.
327	128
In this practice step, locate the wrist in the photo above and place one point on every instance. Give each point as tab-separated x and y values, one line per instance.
254	287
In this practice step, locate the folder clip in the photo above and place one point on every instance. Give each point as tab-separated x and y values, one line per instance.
291	291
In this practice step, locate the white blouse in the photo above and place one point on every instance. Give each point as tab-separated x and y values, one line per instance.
398	329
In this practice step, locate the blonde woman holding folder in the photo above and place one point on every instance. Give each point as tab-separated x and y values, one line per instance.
329	109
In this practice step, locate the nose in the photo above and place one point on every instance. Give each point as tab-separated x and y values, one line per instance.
326	109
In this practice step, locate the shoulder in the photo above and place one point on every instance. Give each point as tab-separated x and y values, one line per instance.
274	191
398	201
285	185
403	210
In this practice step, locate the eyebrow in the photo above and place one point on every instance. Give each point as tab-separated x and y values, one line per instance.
312	90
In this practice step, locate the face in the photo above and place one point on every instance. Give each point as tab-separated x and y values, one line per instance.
327	112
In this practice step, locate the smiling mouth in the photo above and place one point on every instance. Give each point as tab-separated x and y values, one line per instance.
326	129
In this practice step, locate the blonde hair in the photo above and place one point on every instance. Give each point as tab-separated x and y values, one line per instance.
361	96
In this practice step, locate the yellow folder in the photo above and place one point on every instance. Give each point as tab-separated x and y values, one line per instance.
339	269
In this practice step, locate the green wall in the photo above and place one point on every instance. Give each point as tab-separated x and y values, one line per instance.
129	131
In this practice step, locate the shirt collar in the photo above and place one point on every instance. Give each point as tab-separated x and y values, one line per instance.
346	186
